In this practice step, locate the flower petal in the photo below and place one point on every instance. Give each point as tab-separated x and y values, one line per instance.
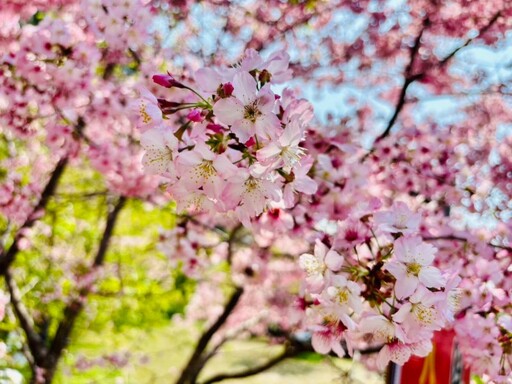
245	87
228	111
405	286
431	277
333	260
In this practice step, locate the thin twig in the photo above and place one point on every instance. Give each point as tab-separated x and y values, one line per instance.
410	78
470	40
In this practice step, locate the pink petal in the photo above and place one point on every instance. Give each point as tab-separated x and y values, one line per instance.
398	270
224	166
207	79
267	125
268	152
405	286
243	129
306	185
245	87
399	353
431	277
228	111
333	261
383	358
321	342
403	313
425	254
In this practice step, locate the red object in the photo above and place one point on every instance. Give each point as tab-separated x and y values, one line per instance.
443	366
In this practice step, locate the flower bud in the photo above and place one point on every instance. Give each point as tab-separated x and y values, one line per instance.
195	116
167	81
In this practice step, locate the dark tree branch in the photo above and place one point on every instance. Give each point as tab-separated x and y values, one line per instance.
491	22
75	307
35	343
289	351
411	78
292	349
135	56
231	240
8	257
107	233
196	361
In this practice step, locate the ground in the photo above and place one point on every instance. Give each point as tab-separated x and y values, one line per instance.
157	356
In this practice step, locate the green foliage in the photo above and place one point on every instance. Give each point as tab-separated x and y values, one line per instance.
37	18
310	356
136	288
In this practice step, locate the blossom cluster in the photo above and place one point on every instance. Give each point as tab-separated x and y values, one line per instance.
394	296
238	148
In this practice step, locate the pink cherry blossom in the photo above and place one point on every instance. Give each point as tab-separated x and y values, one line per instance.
328	337
161	147
249	111
396	352
249	194
301	182
147	111
411	266
398	219
202	168
319	263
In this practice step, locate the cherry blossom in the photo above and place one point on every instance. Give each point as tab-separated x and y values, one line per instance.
412	265
400	219
249	111
375	220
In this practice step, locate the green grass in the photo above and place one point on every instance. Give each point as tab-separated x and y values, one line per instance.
157	357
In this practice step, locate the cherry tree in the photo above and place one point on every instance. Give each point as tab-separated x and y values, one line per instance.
369	225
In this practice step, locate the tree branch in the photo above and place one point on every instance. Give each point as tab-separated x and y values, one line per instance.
292	348
75	307
410	78
231	240
289	351
7	258
470	40
196	361
34	341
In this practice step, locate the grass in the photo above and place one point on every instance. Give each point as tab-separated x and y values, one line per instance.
157	356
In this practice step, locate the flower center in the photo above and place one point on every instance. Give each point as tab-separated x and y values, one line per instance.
291	155
351	235
251	112
424	314
413	269
342	295
205	170
313	267
252	186
401	222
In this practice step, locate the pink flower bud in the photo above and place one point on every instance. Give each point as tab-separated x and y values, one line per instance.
250	142
195	116
215	128
167	81
228	89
